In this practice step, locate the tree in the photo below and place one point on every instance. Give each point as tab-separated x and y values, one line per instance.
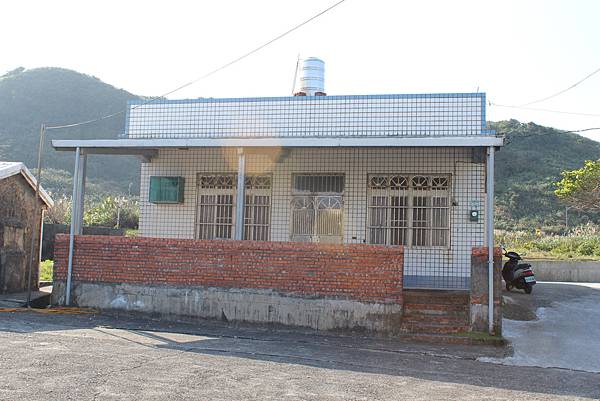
580	188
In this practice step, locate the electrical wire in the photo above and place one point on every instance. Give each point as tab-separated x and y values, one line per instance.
562	91
216	70
544	110
555	131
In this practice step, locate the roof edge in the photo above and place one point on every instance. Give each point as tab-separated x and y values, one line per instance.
138	102
21	168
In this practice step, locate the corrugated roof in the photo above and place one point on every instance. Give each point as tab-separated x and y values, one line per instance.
8	169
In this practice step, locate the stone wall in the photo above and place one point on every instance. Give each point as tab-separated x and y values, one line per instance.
18	222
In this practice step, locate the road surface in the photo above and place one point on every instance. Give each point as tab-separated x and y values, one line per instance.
557	326
82	357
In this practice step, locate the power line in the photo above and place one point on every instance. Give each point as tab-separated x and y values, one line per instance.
554	131
544	110
562	91
216	70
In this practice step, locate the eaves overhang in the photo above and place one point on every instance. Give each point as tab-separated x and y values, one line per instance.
149	147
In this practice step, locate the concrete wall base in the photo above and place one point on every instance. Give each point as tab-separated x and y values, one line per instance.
244	305
564	270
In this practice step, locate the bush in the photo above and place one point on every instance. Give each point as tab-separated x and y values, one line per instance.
118	212
60	213
581	242
46	270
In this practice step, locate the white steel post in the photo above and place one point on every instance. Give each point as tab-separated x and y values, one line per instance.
489	215
240	200
80	193
76	214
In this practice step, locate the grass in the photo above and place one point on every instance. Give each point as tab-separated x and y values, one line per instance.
483	338
581	243
46	269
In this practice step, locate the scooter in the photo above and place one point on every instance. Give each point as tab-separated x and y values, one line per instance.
517	275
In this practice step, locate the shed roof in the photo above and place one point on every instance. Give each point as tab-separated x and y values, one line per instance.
8	169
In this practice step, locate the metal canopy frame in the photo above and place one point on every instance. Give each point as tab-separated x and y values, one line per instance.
148	148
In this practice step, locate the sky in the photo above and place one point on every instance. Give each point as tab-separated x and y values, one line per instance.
515	51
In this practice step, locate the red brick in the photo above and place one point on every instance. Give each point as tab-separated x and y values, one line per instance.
369	273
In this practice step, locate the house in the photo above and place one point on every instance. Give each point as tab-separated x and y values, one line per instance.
365	199
21	216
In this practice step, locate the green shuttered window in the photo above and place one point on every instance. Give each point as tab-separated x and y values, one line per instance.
166	189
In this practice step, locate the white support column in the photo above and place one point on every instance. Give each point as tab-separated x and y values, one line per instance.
76	214
78	206
489	217
241	198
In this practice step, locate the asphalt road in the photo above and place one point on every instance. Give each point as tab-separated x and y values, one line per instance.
81	357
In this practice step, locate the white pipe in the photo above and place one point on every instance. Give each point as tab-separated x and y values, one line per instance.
240	201
74	202
490	235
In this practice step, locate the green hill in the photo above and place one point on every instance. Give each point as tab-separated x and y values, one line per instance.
526	168
57	96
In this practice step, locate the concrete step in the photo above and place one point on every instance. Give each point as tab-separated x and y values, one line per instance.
437	320
39	299
432	328
453	339
436	297
436	309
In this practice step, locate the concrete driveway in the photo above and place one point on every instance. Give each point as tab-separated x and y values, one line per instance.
82	357
557	326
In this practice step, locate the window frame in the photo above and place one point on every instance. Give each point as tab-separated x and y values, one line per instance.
159	180
315	198
410	193
252	192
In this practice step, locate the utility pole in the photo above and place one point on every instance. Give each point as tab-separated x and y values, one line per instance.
37	213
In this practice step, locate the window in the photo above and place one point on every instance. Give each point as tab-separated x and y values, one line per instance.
317	202
217	196
410	210
257	215
166	190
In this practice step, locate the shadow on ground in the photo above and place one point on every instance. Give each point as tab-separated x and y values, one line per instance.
439	363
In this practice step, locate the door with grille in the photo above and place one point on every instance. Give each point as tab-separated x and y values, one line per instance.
317	208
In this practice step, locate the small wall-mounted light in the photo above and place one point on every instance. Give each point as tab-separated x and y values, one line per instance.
474	215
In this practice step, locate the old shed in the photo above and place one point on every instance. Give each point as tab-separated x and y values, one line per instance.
20	219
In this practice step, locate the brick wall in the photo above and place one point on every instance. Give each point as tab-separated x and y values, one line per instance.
366	273
479	290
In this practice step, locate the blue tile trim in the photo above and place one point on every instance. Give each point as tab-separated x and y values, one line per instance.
483	113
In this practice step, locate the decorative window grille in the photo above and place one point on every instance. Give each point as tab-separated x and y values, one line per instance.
409	210
317	208
257	214
215	211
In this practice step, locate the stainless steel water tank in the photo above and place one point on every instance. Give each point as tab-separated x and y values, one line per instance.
311	78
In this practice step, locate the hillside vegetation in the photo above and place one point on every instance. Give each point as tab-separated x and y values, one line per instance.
57	96
526	168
